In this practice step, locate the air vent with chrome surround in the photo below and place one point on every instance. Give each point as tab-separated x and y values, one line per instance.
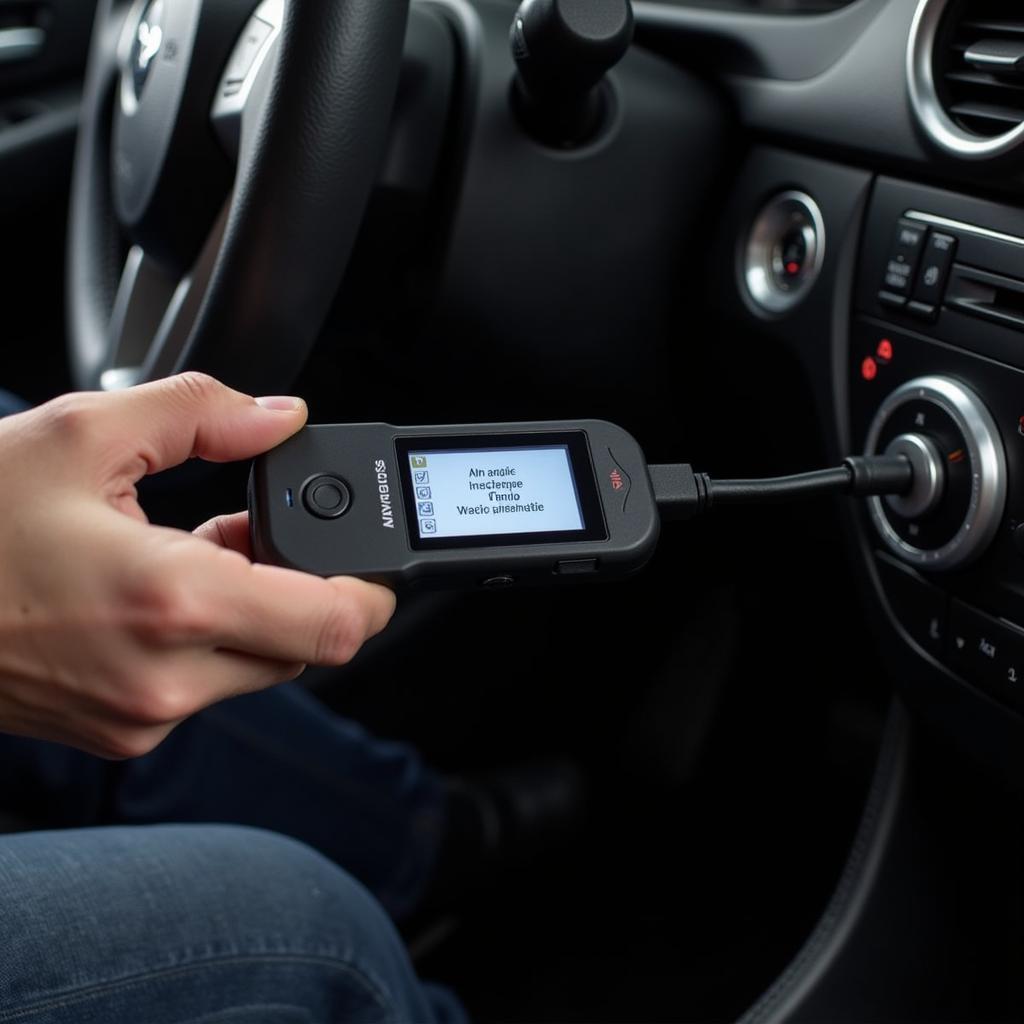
965	68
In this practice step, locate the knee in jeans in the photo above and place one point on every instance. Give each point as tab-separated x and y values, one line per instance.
206	891
154	906
287	888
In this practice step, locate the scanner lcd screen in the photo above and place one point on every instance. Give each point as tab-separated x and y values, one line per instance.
475	493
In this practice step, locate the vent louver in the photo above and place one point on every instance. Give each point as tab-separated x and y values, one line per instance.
966	74
979	66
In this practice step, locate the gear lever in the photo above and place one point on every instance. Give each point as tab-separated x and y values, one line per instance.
563	49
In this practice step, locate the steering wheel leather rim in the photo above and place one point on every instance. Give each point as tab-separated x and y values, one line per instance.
303	179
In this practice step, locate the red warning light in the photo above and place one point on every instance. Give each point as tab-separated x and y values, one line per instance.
869	369
792	268
884	350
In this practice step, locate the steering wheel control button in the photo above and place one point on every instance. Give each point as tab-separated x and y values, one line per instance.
576	567
251	52
929	476
327	497
248	48
784	253
901	268
938	421
920	607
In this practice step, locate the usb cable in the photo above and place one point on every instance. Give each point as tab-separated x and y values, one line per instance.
681	493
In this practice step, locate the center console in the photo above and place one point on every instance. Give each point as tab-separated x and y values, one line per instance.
936	371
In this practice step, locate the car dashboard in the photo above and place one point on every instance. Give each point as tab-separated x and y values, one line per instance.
794	233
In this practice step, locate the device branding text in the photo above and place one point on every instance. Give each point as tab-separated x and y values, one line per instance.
387	516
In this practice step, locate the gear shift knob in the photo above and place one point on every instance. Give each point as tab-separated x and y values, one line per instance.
562	50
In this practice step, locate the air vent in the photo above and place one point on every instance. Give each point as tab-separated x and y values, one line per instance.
965	67
979	66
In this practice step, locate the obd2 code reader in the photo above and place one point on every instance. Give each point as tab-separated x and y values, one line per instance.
495	504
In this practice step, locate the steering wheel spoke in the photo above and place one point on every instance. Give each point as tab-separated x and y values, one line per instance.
154	313
143	295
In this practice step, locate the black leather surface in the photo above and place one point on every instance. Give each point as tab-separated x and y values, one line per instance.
302	184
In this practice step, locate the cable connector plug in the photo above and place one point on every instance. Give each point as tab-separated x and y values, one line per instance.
879	474
679	492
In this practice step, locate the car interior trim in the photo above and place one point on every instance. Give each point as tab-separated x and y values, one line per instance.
988	496
958	225
924	97
794	47
828	942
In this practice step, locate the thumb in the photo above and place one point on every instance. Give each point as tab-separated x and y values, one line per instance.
193	415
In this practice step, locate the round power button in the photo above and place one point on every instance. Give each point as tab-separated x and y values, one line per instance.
327	497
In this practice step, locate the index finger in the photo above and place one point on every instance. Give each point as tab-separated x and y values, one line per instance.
278	613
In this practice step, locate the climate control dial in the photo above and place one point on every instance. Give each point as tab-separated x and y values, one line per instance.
956	505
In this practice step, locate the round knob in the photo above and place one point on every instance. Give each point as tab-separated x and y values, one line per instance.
563	49
929	476
959	495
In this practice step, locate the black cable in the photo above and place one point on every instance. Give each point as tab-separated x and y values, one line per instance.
681	493
782	488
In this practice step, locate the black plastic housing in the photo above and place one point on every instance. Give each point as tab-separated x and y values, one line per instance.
372	539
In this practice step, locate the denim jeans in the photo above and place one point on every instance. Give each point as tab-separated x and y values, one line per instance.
196	925
277	760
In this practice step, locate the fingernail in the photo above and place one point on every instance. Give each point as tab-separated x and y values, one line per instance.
280	403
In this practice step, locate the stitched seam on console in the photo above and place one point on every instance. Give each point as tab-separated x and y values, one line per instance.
75	995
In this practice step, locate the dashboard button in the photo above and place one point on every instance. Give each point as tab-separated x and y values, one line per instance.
919	606
935	266
975	647
988	652
922	310
904	257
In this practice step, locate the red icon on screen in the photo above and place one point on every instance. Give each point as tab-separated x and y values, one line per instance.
616	479
869	369
884	350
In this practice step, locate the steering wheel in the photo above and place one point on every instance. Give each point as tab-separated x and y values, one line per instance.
224	160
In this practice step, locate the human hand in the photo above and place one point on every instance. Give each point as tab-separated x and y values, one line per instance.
113	631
